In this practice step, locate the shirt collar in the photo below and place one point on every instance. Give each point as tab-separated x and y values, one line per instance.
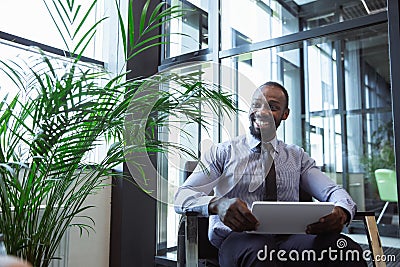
253	142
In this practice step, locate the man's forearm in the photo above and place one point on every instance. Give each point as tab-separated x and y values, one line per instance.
188	200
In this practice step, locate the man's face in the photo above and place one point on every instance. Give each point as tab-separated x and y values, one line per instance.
268	109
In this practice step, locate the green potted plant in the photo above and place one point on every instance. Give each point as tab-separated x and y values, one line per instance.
59	115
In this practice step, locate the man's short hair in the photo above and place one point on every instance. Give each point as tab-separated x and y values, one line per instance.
275	84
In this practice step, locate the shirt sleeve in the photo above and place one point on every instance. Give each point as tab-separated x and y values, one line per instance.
193	194
323	188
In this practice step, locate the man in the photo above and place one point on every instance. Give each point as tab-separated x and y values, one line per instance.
236	171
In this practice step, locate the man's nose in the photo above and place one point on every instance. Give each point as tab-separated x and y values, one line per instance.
266	111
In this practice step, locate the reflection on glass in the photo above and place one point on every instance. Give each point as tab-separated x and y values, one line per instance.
248	21
190	32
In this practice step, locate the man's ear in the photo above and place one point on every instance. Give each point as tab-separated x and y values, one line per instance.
285	114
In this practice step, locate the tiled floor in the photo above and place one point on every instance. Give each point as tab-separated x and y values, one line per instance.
391	248
386	241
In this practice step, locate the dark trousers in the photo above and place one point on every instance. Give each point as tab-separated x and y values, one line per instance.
247	250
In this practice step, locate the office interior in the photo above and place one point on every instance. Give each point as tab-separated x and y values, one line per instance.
337	59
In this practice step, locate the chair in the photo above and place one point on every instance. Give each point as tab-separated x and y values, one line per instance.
387	188
194	248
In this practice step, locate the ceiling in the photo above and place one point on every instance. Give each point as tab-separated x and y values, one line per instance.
349	9
323	12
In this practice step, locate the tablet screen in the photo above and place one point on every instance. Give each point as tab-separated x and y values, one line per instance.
288	217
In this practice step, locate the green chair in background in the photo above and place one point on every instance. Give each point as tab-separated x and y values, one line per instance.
387	187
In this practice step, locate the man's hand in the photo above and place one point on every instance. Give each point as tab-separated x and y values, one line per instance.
233	213
333	222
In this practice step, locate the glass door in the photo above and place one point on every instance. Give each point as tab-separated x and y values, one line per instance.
348	116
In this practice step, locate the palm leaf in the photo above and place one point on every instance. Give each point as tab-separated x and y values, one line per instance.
143	17
147	23
62	112
123	28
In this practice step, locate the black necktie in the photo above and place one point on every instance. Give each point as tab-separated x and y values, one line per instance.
270	193
270	179
270	184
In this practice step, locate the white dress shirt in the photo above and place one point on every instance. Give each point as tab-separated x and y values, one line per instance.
235	169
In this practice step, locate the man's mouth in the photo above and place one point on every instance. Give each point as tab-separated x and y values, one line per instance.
260	123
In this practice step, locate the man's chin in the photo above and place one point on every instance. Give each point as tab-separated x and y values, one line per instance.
264	135
255	133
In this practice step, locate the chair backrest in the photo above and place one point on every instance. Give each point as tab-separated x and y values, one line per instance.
189	168
387	186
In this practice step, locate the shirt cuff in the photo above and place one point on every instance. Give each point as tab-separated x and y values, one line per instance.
349	208
201	206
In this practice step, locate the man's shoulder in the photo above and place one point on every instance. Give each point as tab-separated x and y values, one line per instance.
238	142
235	140
223	151
289	147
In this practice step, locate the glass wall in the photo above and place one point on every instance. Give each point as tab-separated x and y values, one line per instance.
247	21
338	83
192	138
343	111
349	100
190	31
251	21
17	18
40	29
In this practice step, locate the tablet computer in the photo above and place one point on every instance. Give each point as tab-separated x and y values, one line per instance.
288	217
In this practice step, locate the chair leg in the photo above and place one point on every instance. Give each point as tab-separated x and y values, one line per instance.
382	212
374	241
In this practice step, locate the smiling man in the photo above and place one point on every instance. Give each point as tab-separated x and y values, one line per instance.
258	166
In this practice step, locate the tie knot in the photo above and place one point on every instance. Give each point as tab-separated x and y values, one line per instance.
268	147
269	150
265	146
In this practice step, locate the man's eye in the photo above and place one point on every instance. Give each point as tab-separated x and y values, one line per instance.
274	108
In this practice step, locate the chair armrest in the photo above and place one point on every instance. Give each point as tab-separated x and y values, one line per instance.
187	254
374	240
191	242
360	215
